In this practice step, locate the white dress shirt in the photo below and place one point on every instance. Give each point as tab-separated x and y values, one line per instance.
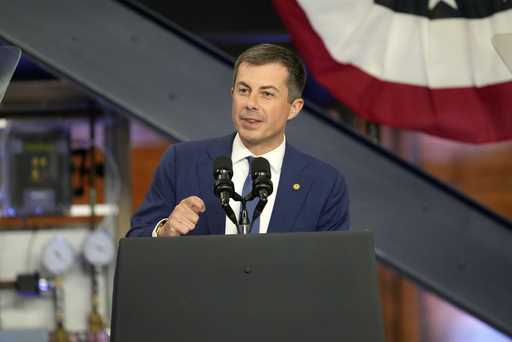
239	154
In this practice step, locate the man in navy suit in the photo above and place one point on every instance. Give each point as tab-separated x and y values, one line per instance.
309	195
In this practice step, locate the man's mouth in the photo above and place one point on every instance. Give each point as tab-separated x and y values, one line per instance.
250	122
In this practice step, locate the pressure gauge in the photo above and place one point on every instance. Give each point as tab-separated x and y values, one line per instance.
99	248
58	256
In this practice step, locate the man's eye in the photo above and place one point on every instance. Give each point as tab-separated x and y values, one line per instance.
243	90
268	94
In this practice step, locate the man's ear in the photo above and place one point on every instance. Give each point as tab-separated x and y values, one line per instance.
295	108
231	91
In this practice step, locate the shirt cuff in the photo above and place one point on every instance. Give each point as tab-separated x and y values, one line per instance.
161	222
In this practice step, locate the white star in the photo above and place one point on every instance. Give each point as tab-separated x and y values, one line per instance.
433	3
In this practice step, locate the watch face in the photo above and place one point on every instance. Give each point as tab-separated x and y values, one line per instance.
99	248
58	256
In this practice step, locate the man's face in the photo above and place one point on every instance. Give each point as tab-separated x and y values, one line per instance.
260	105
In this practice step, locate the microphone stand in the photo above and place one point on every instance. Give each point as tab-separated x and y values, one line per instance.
244	223
224	190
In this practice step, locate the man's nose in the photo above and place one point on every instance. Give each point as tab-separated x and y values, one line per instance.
252	101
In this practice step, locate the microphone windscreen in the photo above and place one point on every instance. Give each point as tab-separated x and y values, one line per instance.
222	163
260	165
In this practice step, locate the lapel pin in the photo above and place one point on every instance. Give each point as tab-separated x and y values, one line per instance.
296	186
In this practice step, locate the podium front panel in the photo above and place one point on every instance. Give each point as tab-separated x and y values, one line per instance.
275	287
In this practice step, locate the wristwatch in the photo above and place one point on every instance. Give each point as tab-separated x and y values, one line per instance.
160	226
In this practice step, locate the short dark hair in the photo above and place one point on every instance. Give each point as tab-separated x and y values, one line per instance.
262	54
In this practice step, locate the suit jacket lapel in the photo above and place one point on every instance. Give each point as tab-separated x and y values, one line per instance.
215	215
289	199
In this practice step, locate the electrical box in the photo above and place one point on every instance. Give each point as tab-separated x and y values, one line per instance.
36	165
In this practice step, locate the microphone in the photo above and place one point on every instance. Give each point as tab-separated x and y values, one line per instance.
261	183
223	187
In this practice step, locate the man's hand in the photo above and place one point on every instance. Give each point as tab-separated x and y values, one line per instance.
183	218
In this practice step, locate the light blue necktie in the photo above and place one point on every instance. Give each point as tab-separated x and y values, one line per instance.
251	205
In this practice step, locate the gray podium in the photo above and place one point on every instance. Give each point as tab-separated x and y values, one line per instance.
274	287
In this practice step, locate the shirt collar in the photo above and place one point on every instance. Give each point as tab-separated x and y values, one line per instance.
274	157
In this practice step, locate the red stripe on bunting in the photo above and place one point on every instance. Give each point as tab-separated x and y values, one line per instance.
472	114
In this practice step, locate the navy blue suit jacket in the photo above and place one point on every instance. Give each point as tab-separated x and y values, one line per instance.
321	203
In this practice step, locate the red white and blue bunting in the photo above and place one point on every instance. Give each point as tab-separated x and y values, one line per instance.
427	65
